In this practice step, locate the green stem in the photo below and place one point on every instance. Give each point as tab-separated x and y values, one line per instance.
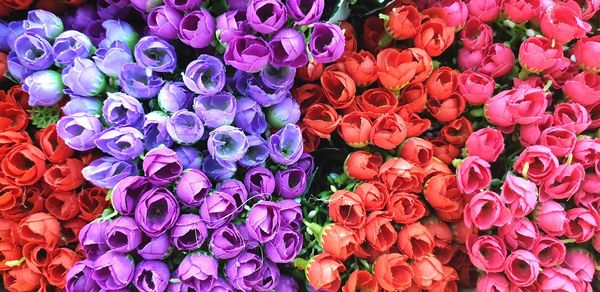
300	263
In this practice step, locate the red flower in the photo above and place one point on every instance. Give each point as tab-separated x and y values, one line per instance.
22	279
406	208
339	88
347	209
413	97
377	101
53	146
92	201
65	176
434	37
392	272
442	83
355	129
24	165
311	140
361	67
10	197
350	35
374	32
12	117
360	280
457	131
379	231
362	165
400	175
37	256
442	193
62	261
339	241
10	139
447	110
310	72
373	194
323	273
415	241
32	202
321	119
63	205
388	131
40	228
404	22
397	68
415	125
417	151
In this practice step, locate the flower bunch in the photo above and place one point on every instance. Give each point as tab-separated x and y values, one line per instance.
44	199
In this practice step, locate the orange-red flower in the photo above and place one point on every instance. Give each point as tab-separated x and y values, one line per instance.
415	241
360	280
413	97
404	22
442	193
374	195
339	241
347	209
63	205
40	228
66	175
400	175
377	101
379	231
388	131
392	271
92	201
339	88
361	67
24	164
62	261
415	125
434	37
362	165
53	146
406	208
374	32
442	83
417	151
397	68
323	273
355	129
350	35
311	71
457	131
448	109
321	119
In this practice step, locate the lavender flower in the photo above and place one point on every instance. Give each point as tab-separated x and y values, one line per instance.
33	51
189	232
197	29
139	82
257	152
157	211
163	21
327	42
198	271
161	166
45	88
205	75
113	270
192	187
126	193
84	78
156	54
226	242
79	130
227	143
43	23
286	145
154	248
185	127
69	45
107	171
216	110
266	16
121	109
111	60
123	234
217	209
247	53
264	221
155	130
125	143
151	276
249	116
174	96
189	157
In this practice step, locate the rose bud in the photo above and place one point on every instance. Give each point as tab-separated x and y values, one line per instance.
154	248
157	211
192	187
581	224
291	183
520	11
396	67
486	143
551	218
183	5
259	181
537	54
560	22
189	232
304	13
226	242
161	166
249	116
217	209
404	22
469	60
563	182
476	35
393	272
355	129
379	231
263	221
291	214
339	241
323	272
374	195
80	277
362	165
189	157
584	50
285	146
70	45
111	60
417	151
272	15
373	32
519	234
164	20
476	88
123	234
205	271
586	195
45	88
583	88
217	170
444	151
388	131
312	71
415	241
536	163
572	116
126	193
93	238
486	210
84	78
586	152
113	270
155	53
377	101
430	274
415	125
447	110
199	69
197	29
118	30
247	53
406	208
139	82
491	282
54	147
400	175
339	88
520	194
581	263
434	36
326	42
473	175
484	10
522	268
233	187
442	83
558	278
457	132
24	165
359	280
288	48
498	60
487	253
215	110
347	209
65	176
550	251
33	52
151	276
284	248
413	98
257	152
232	24
185	127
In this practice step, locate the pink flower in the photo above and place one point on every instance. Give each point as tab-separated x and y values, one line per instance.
574	116
584	88
530	134
492	282
520	194
549	250
581	263
586	151
559	139
586	51
527	105
487	252
596	242
486	210
473	175
496	110
581	224
476	35
537	162
456	12
551	218
562	71
588	193
560	279
498	59
537	54
562	22
563	182
520	11
487	143
469	59
530	82
594	110
522	268
484	10
520	233
476	88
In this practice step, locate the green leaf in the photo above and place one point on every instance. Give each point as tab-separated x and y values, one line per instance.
342	11
43	117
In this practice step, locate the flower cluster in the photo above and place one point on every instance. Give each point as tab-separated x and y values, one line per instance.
44	199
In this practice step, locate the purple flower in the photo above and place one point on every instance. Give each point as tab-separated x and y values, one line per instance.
123	234
156	211
326	42
264	221
45	88
287	283
107	171
96	32
249	116
291	214
79	277
226	242
183	4
249	272
15	29
264	95
257	152
227	143
247	53
84	78
215	110
155	130
197	29
174	96
139	82
235	189
239	81
80	18
163	21
217	209
251	243
127	192
284	248
118	30
145	6
285	112
288	48
232	24
154	248
269	276
305	12
192	187
124	143
113	270
151	276
218	170
199	271
179	287
4	47
189	157
111	60
79	104
121	109
15	68
79	130
33	51
185	127
266	16
259	182
306	163
285	146
154	53
113	9
92	238
221	285
237	4
205	75
188	233
161	166
70	45
291	182
43	23
276	77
